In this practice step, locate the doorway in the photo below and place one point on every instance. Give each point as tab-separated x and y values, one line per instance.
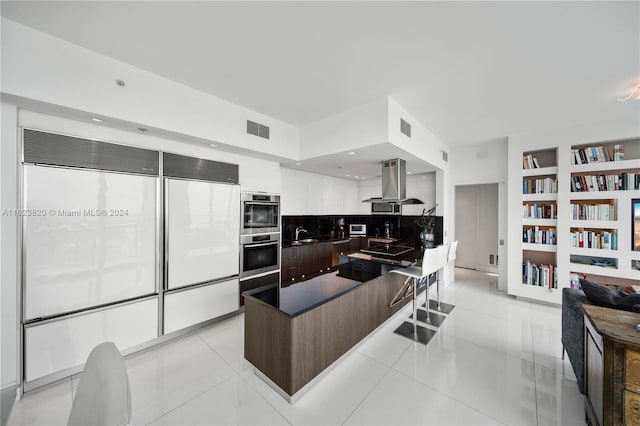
476	226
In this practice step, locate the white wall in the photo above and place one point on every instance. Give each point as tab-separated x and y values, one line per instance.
305	193
481	163
39	67
359	127
8	247
423	144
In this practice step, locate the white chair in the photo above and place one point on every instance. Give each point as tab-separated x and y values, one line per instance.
430	265
103	396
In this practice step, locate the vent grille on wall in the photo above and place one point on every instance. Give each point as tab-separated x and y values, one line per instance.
405	127
445	156
61	150
257	129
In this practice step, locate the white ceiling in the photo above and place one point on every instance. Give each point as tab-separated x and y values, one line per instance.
469	71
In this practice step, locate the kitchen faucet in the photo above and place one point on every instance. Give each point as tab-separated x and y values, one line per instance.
299	229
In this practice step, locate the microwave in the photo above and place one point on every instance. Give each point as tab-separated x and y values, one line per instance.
381	207
357	229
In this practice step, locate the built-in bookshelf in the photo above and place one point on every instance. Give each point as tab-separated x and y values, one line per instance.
576	216
539	220
604	177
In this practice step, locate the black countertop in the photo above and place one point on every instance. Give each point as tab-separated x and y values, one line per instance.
320	238
304	296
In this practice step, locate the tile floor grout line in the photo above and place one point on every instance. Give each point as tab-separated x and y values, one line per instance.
265	399
216	352
366	396
189	400
448	396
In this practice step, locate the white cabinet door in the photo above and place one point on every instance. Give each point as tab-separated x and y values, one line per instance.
194	306
66	343
203	231
94	243
351	202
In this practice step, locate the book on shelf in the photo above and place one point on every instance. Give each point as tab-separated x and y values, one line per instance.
539	211
593	211
543	275
540	186
530	162
618	152
596	183
535	235
600	239
588	155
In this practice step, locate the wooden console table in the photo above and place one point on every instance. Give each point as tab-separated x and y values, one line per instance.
612	366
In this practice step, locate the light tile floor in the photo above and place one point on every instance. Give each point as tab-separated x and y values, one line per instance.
495	360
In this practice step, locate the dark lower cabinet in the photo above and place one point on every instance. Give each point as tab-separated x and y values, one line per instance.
339	248
359	269
300	263
291	265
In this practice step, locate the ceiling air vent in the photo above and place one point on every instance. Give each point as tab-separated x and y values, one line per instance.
257	129
405	127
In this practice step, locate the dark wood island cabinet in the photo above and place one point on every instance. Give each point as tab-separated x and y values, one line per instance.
292	345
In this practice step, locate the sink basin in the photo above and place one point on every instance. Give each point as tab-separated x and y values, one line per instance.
305	241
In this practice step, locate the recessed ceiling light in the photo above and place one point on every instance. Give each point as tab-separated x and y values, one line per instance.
97	120
351	152
408	173
347	175
298	164
356	176
213	145
362	177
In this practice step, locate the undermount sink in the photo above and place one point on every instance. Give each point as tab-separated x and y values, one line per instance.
305	241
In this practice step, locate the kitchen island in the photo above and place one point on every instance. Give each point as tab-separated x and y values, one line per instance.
290	338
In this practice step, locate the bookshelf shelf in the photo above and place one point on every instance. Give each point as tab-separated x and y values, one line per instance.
542	171
597	224
539	222
596	253
540	197
587	195
604	166
550	248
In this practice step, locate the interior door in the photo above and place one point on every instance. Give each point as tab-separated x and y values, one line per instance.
466	211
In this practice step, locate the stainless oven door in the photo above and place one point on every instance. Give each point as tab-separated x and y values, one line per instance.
259	254
260	213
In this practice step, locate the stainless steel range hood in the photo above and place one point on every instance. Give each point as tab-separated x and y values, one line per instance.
394	184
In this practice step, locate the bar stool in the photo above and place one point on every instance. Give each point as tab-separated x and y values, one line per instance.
452	252
430	265
442	262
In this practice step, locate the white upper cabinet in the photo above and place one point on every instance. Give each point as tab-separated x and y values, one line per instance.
313	194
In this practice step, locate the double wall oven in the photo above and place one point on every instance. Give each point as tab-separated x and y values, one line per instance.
259	241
